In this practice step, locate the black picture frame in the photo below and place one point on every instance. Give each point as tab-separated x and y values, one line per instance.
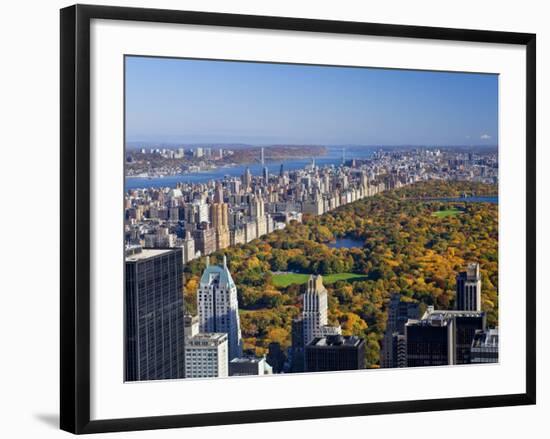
75	217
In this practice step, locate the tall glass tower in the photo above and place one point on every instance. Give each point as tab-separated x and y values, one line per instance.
154	315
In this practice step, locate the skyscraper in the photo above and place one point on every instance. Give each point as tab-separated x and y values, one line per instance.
247	178
335	352
297	349
430	343
468	289
218	307
218	194
315	309
205	239
188	247
257	206
399	313
442	337
154	310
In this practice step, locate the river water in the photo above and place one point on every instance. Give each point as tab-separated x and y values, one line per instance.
333	157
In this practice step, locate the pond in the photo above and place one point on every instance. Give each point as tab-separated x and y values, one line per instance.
346	243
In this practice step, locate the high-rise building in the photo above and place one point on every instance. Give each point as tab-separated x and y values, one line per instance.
162	238
205	239
200	212
276	357
315	311
237	236
261	226
249	366
154	315
223	239
315	308
247	178
468	289
297	348
188	247
218	307
206	356
335	352
430	343
251	230
257	207
442	337
399	312
484	347
399	350
219	214
218	194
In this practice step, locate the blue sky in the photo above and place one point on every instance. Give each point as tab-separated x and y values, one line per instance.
200	101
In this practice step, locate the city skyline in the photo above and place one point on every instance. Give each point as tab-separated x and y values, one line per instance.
205	101
300	257
308	272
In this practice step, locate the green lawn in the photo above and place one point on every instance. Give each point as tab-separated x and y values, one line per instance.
448	212
284	280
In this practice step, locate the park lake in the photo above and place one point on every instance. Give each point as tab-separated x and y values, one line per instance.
346	243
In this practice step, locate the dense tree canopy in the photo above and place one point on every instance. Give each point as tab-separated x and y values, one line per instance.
406	249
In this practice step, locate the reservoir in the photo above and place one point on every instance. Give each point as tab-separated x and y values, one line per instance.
474	199
346	243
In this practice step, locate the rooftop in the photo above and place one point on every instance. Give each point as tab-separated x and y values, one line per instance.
485	339
147	253
442	317
444	313
336	340
217	273
206	339
242	360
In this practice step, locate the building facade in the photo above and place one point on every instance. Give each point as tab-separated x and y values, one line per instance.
191	325
484	347
468	289
154	315
315	308
249	366
335	352
399	312
218	306
206	356
442	337
296	354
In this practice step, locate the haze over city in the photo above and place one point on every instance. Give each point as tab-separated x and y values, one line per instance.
196	101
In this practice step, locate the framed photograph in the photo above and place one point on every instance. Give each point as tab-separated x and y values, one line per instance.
268	219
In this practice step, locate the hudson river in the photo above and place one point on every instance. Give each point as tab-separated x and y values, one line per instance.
333	157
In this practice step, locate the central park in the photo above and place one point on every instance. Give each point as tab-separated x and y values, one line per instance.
406	243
